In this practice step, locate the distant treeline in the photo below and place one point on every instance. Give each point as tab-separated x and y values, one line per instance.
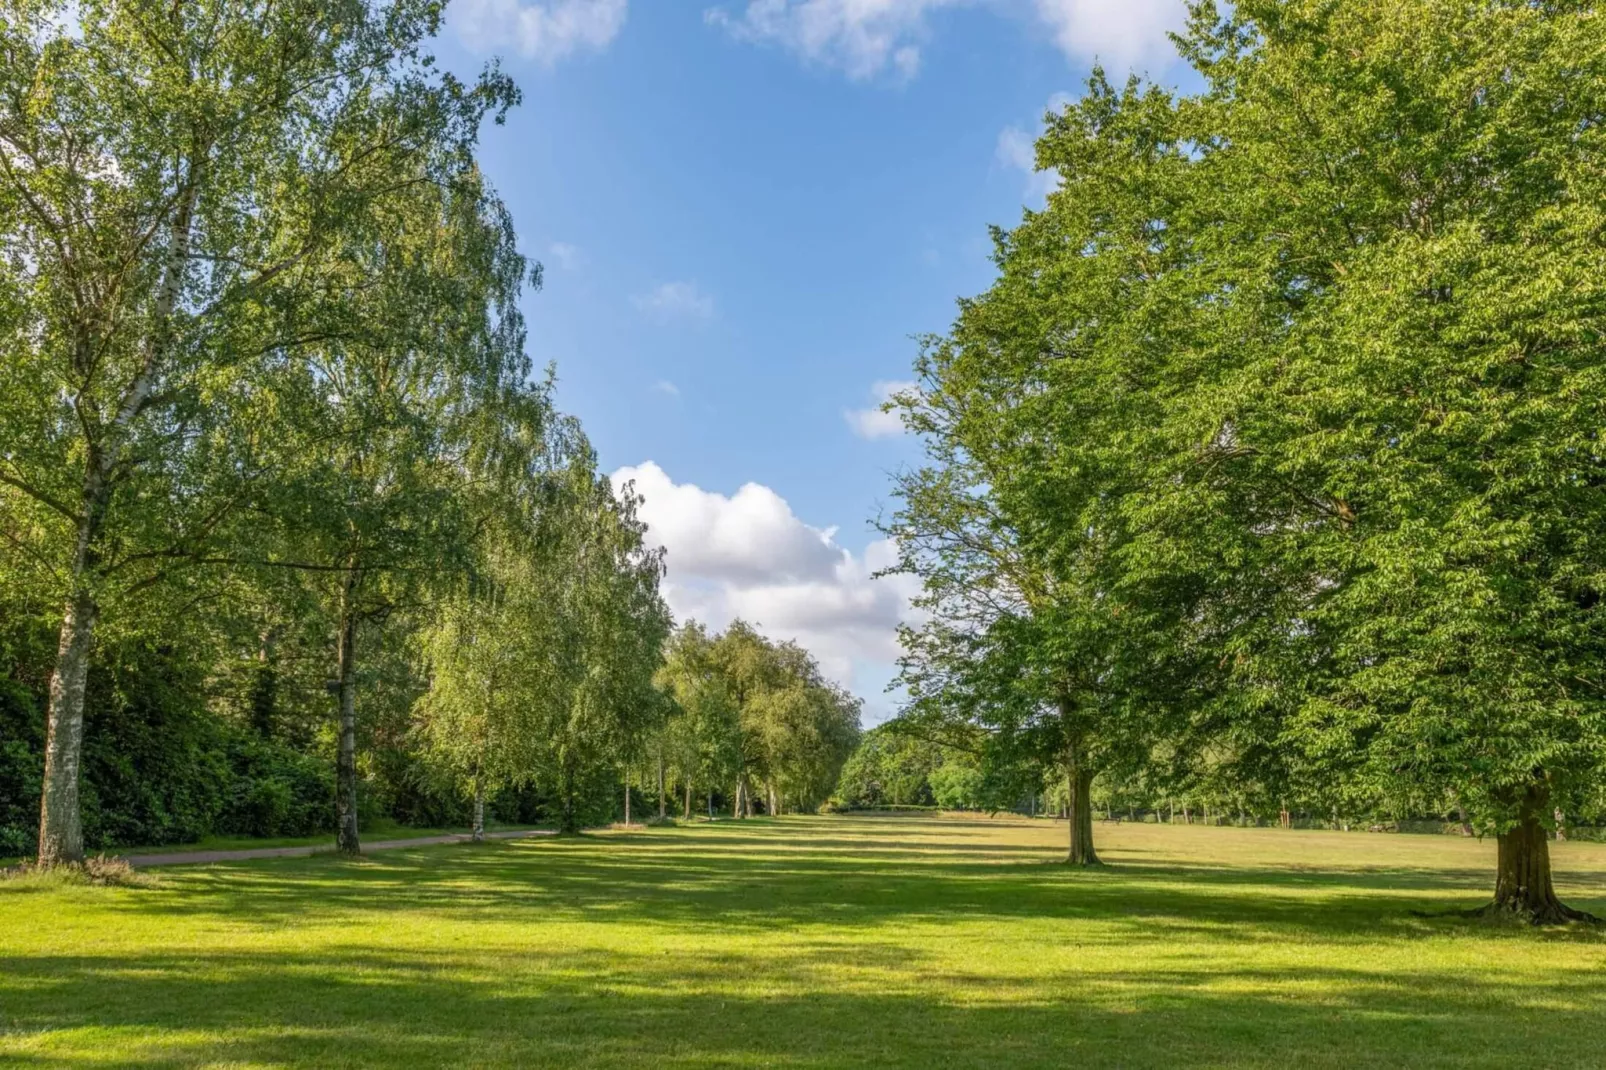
893	770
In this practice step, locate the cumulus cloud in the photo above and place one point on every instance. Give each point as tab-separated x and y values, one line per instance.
1121	33
875	422
675	300
543	30
864	38
748	555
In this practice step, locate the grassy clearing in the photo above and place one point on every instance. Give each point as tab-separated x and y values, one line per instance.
813	942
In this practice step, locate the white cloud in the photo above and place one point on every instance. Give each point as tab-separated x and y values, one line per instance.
1117	32
676	300
875	422
567	256
863	38
748	555
543	30
860	37
664	386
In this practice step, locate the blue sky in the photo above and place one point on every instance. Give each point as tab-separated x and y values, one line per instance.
745	211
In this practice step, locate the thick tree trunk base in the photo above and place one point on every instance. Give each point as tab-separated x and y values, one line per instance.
1523	890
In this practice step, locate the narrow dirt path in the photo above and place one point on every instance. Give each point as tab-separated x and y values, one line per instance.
196	858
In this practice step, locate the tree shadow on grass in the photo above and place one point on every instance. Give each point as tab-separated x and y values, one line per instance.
698	883
369	1007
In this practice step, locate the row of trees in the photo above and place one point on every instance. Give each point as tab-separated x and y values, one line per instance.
278	484
270	443
1271	463
747	717
893	769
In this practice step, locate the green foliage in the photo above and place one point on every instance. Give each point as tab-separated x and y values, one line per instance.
957	785
277	791
21	744
1269	466
755	715
888	768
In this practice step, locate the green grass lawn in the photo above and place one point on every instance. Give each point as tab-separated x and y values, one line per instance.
814	942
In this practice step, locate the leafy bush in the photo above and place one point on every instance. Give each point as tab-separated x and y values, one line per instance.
277	791
21	760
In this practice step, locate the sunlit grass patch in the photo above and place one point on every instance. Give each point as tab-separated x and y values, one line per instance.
814	942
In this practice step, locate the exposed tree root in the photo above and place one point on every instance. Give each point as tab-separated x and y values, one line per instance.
1554	912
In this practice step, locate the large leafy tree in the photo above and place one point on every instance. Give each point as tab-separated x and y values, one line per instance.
795	729
1418	341
889	767
1300	383
482	716
1037	639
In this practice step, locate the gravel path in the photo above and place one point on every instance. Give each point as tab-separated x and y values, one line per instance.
182	858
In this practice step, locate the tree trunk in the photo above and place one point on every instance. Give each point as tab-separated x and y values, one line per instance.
627	800
1079	785
1561	826
688	801
1523	887
479	809
346	756
61	832
663	797
736	799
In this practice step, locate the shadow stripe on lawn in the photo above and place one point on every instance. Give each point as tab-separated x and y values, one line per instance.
182	858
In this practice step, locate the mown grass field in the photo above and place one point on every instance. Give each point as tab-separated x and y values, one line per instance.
813	942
